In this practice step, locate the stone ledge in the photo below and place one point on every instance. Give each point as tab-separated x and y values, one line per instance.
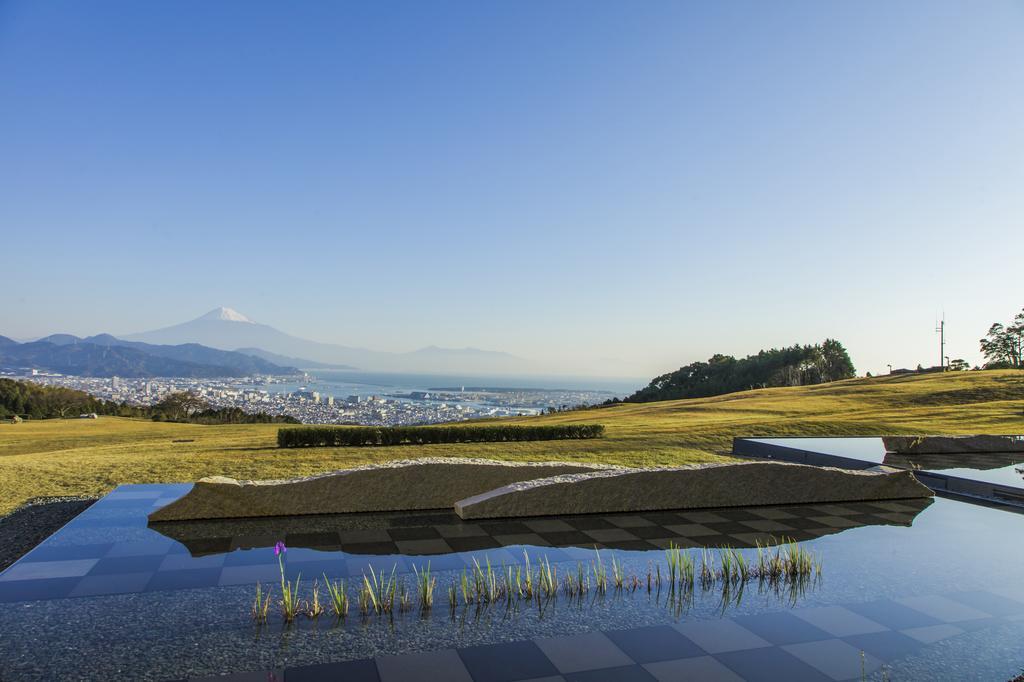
403	485
694	487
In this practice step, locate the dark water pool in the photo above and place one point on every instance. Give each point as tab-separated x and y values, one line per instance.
913	589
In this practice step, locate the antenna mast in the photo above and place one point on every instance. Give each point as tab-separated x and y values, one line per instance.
940	329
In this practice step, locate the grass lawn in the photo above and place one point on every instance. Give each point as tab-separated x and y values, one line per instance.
87	457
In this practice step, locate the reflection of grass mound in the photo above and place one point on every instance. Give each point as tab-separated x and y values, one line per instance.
75	457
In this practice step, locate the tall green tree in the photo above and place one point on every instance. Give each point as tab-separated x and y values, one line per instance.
1003	346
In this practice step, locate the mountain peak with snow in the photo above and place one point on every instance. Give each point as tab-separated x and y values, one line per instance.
227	314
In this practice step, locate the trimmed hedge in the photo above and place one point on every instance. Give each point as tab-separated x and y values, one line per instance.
359	436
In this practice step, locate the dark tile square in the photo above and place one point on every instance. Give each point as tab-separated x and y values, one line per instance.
782	628
568	538
350	671
312	540
414	533
184	579
26	590
505	528
885	646
716	541
663	518
731	527
988	602
63	553
473	544
654	643
204	546
801	523
892	614
652	532
738	515
626	673
589	523
506	662
770	665
127	564
377	548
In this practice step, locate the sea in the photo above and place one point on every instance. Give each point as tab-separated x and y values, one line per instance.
341	384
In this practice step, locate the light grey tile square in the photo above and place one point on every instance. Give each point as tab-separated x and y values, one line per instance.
839	621
835	658
426	546
629	521
576	653
933	633
611	534
39	570
242	575
943	608
767	526
430	666
692	530
703	668
720	636
548	526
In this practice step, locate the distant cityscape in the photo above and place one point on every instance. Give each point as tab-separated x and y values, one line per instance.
314	404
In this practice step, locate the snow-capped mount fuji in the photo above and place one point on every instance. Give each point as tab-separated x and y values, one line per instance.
229	329
228	314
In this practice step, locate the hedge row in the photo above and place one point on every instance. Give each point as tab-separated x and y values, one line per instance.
320	436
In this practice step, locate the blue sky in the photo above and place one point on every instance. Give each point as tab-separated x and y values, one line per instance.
616	188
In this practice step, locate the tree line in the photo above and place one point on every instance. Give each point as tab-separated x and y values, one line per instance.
792	366
28	400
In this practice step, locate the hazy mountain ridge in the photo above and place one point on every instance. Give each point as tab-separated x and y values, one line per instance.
104	355
228	329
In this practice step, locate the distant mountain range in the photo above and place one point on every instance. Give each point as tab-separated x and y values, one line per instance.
104	356
228	329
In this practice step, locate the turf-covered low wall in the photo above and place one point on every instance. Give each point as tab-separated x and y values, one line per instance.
360	436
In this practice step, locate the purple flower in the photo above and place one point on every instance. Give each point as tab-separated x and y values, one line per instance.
279	548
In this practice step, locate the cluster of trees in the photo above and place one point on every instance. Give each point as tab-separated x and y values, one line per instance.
1003	346
33	401
793	366
359	436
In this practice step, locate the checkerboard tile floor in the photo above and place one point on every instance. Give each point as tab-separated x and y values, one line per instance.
110	549
826	644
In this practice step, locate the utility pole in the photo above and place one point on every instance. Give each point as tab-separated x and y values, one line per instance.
940	329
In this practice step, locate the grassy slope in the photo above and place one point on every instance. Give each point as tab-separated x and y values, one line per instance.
89	457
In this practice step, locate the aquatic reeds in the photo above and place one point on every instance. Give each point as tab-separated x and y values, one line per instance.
600	573
261	605
289	594
425	584
338	597
378	591
314	609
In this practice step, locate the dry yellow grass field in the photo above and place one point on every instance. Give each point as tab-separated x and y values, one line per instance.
86	457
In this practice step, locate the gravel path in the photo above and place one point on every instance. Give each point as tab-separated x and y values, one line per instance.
28	525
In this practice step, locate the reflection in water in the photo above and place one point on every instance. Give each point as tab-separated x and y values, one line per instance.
443	532
982	461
